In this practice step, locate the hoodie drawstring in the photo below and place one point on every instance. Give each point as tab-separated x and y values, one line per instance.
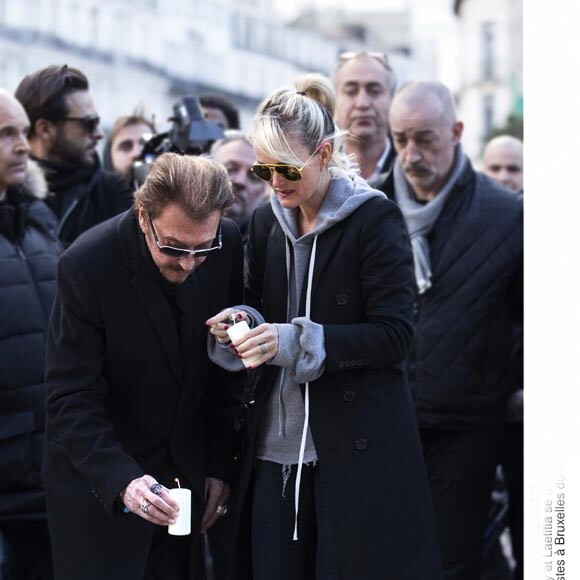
306	397
281	413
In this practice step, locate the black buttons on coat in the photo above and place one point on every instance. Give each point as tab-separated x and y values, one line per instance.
341	299
361	444
353	364
349	396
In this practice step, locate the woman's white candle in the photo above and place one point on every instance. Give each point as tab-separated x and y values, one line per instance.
236	332
182	525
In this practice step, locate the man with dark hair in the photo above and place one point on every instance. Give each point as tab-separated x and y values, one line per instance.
132	398
220	109
467	239
365	84
29	250
64	132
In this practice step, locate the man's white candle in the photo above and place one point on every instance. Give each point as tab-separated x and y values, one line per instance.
236	332
182	525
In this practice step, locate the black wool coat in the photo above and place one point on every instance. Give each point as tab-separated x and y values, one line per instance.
126	397
361	413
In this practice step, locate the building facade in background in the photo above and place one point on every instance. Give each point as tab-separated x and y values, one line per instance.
151	52
490	61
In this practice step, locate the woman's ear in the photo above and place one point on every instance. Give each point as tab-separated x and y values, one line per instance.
326	152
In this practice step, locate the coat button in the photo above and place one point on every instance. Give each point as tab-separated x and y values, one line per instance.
360	444
349	396
341	299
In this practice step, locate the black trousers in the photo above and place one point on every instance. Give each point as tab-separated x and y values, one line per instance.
461	466
512	461
28	555
174	557
275	554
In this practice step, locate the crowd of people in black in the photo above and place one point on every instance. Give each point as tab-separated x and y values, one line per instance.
357	430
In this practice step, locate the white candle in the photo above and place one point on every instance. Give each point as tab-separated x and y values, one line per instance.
236	332
182	525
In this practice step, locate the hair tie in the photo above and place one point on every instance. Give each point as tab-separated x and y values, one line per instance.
300	93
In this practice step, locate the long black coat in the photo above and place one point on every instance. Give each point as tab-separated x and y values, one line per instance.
123	398
361	414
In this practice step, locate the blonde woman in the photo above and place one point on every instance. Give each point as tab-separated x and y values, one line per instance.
333	483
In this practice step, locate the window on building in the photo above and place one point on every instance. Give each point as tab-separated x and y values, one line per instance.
488	114
487	50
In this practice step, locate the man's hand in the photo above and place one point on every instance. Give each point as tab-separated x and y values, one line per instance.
150	500
216	495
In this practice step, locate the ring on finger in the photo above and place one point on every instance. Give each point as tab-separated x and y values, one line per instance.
145	506
156	488
221	510
263	348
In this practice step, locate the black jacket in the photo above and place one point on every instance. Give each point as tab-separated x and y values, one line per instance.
128	394
461	364
28	254
361	412
82	197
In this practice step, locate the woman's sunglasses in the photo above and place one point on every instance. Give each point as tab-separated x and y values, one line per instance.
180	252
265	171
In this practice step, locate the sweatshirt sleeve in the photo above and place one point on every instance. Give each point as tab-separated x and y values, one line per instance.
301	349
220	353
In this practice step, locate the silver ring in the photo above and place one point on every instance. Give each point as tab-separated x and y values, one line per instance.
156	488
263	348
145	506
221	510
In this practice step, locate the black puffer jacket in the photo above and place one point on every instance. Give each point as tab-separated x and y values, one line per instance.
28	254
461	363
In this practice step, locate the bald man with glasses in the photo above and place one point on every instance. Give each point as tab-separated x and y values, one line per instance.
64	133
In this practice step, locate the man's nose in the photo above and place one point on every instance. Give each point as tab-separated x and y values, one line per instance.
97	134
412	152
189	263
22	145
362	100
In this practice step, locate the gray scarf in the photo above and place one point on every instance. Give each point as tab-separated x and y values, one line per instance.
420	218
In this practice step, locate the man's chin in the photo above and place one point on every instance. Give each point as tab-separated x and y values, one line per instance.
175	277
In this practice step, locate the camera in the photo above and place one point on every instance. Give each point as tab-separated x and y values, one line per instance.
190	134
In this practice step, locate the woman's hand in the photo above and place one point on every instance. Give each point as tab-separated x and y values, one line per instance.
219	324
259	345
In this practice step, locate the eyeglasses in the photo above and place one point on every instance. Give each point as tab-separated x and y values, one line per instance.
180	252
265	171
380	56
89	122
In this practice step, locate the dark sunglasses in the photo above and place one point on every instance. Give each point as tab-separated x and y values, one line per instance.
89	123
265	171
180	252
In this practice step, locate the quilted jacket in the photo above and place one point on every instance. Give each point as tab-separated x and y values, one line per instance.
461	363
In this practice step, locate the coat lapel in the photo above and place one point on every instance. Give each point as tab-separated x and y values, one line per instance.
149	292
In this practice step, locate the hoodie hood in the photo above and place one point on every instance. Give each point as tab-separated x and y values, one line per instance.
344	196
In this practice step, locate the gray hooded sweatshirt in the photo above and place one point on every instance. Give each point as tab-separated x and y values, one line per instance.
301	352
